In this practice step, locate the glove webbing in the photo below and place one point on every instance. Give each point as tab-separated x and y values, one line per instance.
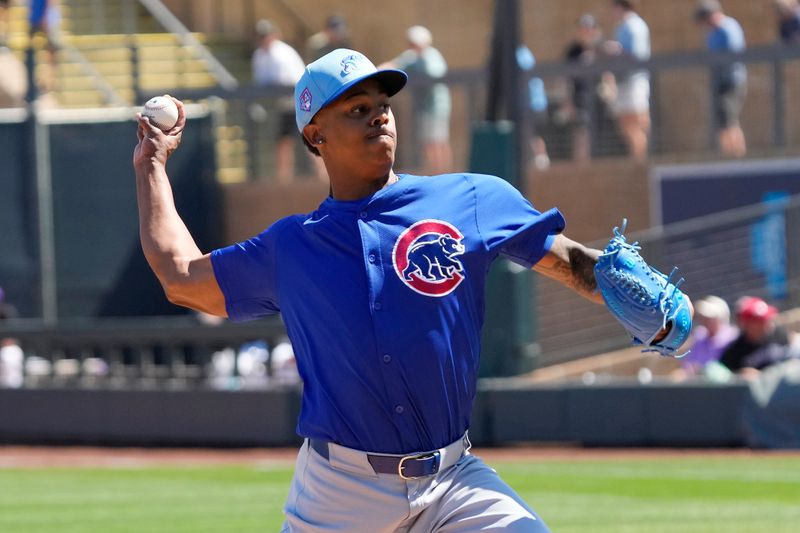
664	301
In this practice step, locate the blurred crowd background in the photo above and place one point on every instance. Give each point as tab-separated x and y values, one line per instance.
681	116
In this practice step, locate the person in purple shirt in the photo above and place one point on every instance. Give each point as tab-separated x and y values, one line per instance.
712	335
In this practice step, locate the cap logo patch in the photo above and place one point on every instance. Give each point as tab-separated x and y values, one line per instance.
305	100
425	258
350	64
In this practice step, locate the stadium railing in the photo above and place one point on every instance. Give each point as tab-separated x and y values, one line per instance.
682	107
160	352
747	251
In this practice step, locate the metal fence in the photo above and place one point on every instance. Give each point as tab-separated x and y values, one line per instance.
682	102
682	107
752	251
177	352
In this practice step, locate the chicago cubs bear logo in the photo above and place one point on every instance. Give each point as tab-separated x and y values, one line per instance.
350	63
425	257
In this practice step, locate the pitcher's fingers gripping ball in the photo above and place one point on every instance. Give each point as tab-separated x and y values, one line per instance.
155	142
162	112
650	307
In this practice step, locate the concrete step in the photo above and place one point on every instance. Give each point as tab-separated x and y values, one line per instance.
229	132
117	55
80	99
109	16
145	65
167	80
123	39
100	30
232	175
235	55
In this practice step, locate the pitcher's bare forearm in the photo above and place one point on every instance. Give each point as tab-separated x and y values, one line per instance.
572	264
166	242
185	273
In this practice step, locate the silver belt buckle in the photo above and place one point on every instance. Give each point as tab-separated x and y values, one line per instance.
415	457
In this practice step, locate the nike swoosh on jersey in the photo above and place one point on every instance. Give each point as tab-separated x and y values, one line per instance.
308	221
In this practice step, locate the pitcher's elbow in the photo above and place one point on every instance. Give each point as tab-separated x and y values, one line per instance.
175	290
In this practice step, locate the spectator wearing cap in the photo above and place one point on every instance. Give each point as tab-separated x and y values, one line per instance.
583	50
277	64
334	35
728	81
761	342
431	100
788	12
712	334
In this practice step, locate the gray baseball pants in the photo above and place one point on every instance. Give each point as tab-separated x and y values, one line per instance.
344	494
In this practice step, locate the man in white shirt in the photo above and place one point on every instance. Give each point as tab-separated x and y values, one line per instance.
632	104
276	63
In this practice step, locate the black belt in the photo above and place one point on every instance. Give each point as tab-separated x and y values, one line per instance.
406	466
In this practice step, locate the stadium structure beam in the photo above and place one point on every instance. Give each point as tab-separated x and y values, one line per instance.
506	95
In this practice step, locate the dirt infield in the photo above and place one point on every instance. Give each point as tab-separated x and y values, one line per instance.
93	457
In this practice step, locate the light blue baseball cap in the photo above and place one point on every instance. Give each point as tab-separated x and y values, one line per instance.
328	77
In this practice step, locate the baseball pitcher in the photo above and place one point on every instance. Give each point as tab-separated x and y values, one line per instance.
382	293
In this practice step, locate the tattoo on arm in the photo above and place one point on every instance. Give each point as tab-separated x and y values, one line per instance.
581	265
572	264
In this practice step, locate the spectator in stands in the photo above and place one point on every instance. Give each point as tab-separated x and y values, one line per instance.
760	343
537	105
729	81
7	311
712	334
284	364
277	64
11	354
632	103
431	102
4	30
584	50
44	17
252	359
334	35
788	20
13	81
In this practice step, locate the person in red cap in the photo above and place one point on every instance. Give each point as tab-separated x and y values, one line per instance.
761	341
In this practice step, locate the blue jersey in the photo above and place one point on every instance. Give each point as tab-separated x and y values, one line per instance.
383	300
728	37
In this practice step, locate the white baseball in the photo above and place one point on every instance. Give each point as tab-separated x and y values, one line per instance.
162	112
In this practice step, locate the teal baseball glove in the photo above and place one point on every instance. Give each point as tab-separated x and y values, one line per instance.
647	303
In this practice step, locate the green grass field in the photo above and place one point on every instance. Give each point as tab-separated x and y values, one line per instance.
677	494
